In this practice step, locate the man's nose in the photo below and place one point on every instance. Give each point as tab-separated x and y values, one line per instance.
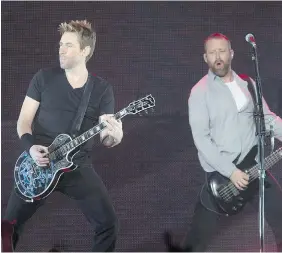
62	50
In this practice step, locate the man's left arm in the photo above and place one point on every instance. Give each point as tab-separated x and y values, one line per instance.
113	134
272	119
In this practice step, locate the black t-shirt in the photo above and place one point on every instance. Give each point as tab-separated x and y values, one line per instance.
59	103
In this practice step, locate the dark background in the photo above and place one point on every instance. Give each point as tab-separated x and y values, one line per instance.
154	176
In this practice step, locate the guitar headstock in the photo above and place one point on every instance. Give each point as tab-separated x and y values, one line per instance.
142	104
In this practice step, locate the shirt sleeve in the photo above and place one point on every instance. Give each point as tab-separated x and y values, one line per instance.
35	86
107	105
271	119
199	122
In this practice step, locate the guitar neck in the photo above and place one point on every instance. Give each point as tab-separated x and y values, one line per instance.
90	133
134	107
269	161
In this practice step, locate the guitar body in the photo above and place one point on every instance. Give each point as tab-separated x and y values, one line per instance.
220	195
228	201
34	182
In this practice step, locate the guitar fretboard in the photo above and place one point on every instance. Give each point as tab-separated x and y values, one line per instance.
64	149
268	163
134	107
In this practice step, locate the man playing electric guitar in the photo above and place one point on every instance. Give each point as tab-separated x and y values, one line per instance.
224	132
48	110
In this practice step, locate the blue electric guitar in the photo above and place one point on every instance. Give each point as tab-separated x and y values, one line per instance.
33	182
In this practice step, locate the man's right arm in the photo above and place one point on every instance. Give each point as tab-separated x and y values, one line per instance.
29	109
30	104
199	122
26	117
24	123
27	114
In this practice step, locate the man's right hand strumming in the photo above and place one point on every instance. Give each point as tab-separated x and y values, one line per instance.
240	179
38	153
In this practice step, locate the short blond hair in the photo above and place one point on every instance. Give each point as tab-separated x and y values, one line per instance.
86	35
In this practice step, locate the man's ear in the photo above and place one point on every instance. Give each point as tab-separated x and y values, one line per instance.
205	58
86	51
232	53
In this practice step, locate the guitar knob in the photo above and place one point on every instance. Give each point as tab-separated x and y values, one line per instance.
234	208
240	204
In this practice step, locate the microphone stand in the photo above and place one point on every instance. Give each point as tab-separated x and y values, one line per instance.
260	132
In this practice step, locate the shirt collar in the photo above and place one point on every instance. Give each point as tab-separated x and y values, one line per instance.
212	77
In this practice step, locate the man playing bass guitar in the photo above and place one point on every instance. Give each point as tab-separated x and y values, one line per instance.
224	132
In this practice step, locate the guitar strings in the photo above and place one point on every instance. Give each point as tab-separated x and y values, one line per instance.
268	161
230	190
60	152
148	102
144	103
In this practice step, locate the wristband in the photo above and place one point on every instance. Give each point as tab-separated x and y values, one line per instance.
27	141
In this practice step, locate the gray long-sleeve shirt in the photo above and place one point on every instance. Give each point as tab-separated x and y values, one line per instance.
219	130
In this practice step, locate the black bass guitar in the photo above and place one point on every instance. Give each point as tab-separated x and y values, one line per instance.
33	182
220	195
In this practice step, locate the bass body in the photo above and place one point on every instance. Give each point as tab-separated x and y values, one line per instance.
220	195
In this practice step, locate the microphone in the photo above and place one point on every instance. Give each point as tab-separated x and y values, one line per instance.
251	39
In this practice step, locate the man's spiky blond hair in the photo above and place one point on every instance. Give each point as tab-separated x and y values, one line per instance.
86	35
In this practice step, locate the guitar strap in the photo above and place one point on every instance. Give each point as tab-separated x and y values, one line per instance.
251	89
83	106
